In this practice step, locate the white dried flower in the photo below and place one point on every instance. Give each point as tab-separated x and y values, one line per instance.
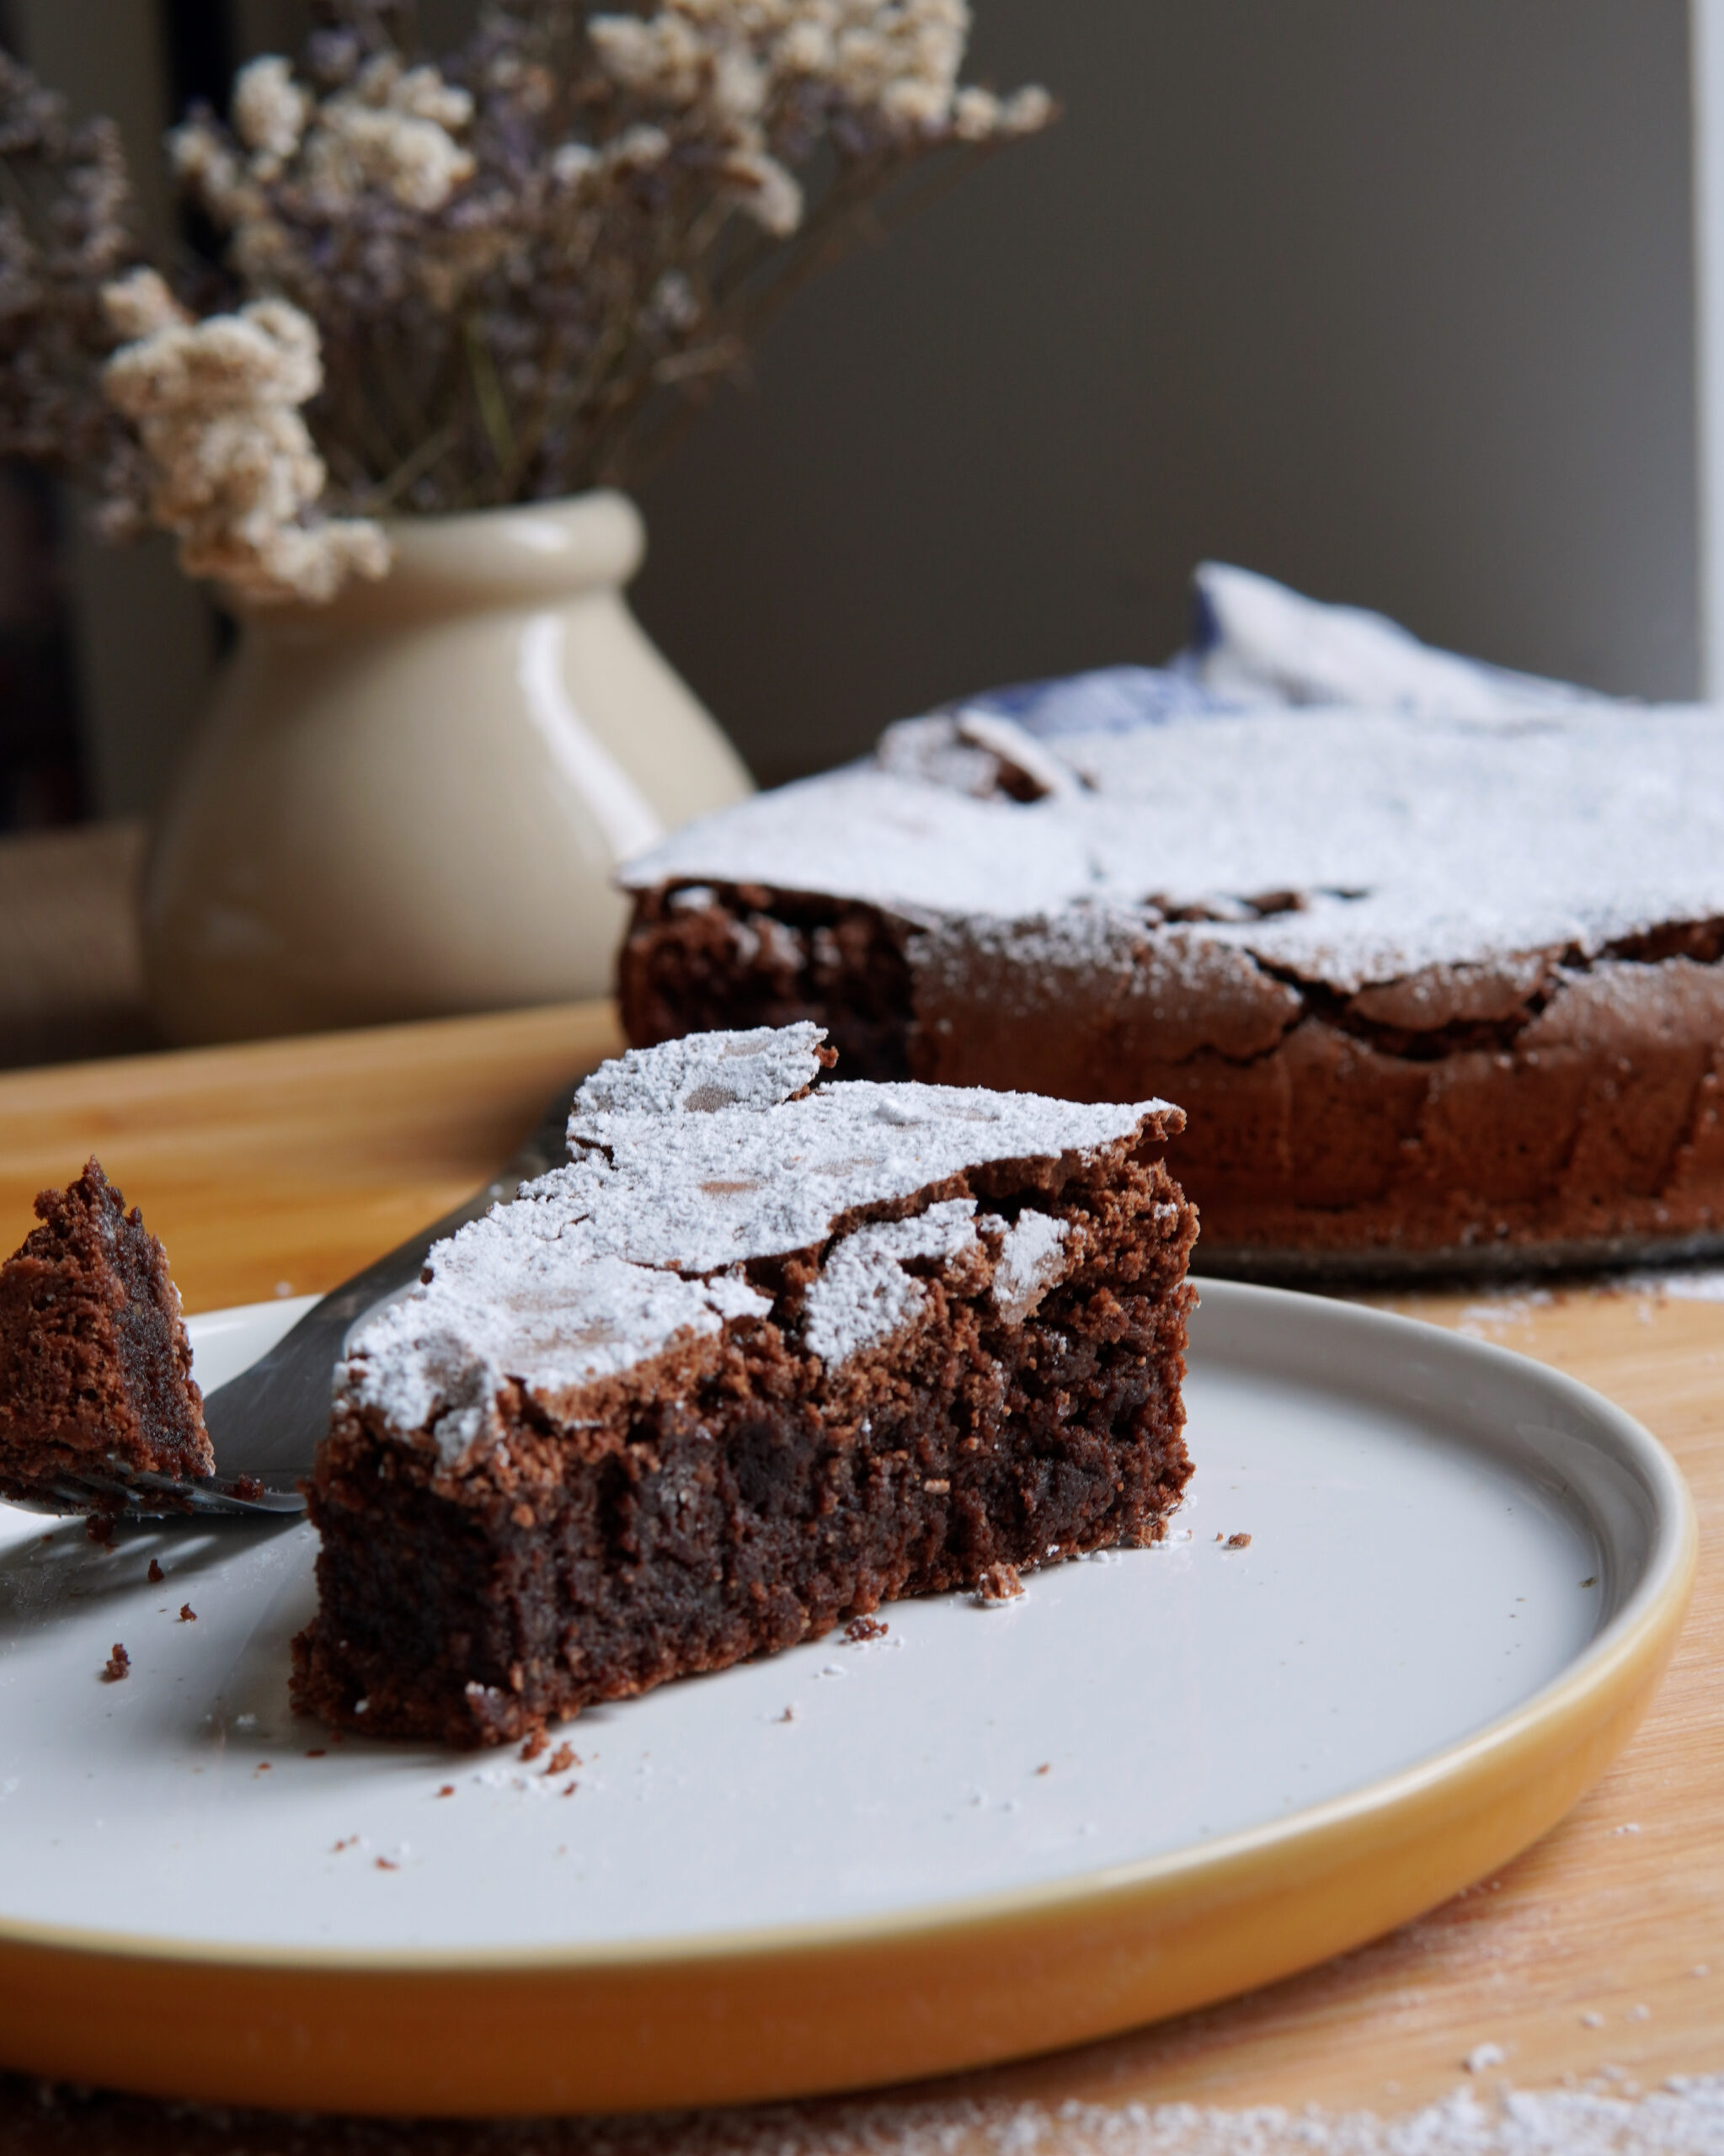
375	79
771	194
571	163
265	253
202	164
234	470
663	58
914	104
267	353
976	116
674	305
805	48
354	145
269	112
638	148
1027	111
139	304
389	130
422	94
738	85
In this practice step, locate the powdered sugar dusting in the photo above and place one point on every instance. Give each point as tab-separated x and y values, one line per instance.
1400	841
753	1069
1685	2117
699	1191
865	1294
690	1159
1032	1258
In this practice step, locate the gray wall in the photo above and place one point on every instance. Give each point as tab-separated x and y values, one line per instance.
1390	298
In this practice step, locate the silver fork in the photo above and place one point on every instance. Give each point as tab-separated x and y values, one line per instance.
265	1424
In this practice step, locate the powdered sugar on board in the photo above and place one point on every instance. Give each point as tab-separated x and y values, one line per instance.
1346	847
1685	2117
690	1159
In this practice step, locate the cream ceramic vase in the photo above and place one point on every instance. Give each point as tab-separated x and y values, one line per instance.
409	803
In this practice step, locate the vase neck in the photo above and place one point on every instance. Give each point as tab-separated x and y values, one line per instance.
533	554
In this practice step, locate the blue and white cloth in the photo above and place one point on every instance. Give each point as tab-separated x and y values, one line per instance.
1255	644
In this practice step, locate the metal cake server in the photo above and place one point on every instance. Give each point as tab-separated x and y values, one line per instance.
265	1424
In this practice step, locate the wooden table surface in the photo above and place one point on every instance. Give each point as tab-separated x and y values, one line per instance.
1598	1956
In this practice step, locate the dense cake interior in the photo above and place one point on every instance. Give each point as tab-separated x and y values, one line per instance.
758	1359
94	1359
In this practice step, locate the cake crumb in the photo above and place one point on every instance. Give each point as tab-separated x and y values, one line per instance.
262	1767
788	1715
346	1843
1482	2057
999	1584
1046	1767
535	1744
247	1488
317	1752
570	1788
447	1789
1238	1542
99	1528
187	1615
561	1760
386	1863
155	1575
118	1665
865	1628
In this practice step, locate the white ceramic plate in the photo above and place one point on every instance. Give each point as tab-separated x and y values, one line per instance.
1440	1534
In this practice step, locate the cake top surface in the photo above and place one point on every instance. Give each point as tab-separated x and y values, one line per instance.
687	1160
1308	783
1344	846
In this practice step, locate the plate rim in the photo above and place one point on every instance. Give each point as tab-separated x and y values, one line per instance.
789	2010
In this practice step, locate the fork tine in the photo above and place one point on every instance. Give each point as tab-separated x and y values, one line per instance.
124	1495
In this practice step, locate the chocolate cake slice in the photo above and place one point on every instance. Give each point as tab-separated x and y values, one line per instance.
95	1366
764	1355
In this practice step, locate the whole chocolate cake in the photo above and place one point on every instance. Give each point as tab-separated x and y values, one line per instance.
1439	986
761	1356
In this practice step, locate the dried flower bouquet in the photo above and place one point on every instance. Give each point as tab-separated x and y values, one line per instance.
504	277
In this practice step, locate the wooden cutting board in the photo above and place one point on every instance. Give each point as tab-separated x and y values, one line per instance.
279	1167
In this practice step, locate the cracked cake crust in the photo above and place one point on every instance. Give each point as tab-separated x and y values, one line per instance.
1471	1011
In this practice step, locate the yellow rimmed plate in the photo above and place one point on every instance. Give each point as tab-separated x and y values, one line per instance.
1161	1777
